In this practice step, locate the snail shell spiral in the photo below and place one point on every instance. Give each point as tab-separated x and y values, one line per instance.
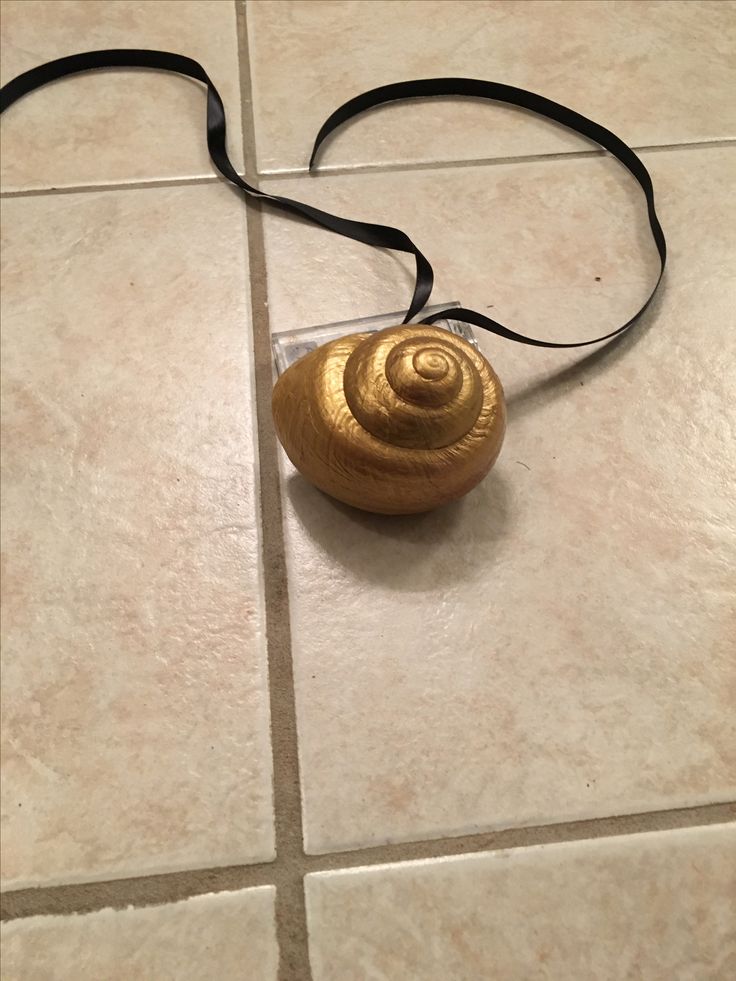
396	422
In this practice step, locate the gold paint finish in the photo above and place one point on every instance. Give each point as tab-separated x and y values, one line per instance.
396	422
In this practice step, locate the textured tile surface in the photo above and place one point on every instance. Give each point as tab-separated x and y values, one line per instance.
654	906
229	936
135	709
115	126
654	73
560	643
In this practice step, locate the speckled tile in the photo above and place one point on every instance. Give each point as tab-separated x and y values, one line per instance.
228	935
655	906
117	126
654	73
135	701
558	645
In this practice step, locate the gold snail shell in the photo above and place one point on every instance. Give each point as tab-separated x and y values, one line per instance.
395	422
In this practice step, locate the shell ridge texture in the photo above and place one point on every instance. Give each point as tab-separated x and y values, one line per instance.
396	422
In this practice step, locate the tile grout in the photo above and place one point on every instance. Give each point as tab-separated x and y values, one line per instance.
150	890
37	192
291	921
587	829
561	155
137	891
394	168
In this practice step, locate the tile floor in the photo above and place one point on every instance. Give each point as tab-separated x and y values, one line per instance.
249	733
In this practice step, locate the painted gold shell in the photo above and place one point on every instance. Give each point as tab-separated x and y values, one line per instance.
396	422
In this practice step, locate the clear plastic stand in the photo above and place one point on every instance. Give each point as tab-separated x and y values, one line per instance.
290	345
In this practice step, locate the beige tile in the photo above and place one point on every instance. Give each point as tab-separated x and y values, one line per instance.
115	126
655	906
654	73
229	936
560	643
135	705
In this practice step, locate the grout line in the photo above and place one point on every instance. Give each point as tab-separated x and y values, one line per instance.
420	165
296	173
144	890
692	145
329	171
523	837
124	186
291	923
175	886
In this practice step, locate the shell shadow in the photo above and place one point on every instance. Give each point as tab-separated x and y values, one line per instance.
412	553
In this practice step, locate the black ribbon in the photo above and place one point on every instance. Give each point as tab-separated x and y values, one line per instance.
381	236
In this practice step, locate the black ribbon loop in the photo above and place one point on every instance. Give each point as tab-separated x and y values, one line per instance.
380	236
